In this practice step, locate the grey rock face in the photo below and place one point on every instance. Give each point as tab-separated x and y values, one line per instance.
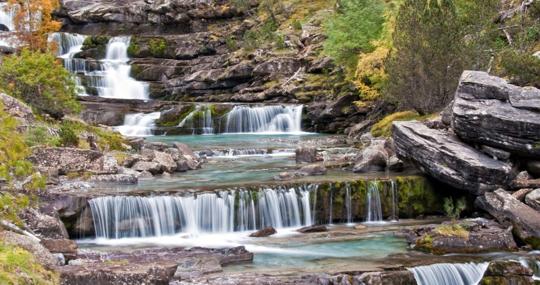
489	111
19	110
44	225
306	155
373	158
511	212
446	158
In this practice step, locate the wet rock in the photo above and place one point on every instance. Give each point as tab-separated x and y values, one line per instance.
373	158
466	236
403	277
312	170
64	246
533	167
264	232
395	164
322	65
44	225
449	160
196	267
125	179
506	272
533	199
313	229
306	154
283	66
166	162
42	255
511	212
489	111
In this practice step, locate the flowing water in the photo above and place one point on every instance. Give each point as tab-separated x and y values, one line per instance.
373	200
199	121
449	274
264	119
138	125
227	211
7	16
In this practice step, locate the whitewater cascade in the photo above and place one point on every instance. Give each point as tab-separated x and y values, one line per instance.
348	203
373	203
395	201
68	46
264	119
227	211
7	16
117	82
449	274
199	119
138	125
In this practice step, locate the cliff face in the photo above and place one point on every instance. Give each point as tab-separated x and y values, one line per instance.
197	51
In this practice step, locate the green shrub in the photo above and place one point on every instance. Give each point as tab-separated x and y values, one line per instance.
11	205
522	68
40	80
18	266
39	135
231	43
158	47
454	210
352	29
68	136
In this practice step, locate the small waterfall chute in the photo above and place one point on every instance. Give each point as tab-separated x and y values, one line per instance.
200	119
138	125
373	203
68	46
348	204
264	119
449	274
395	201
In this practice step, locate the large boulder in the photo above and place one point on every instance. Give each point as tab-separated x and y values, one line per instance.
511	212
446	158
44	226
507	272
373	158
266	232
42	255
306	154
489	111
68	160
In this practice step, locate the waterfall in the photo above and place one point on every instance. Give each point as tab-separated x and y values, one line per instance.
138	125
449	274
68	46
331	218
348	205
395	201
373	203
113	80
264	119
199	119
533	265
226	211
7	15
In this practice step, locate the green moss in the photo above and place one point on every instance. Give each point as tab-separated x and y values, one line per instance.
416	196
384	127
11	205
425	243
133	49
158	47
18	266
452	230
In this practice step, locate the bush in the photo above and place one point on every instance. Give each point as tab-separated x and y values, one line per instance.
40	80
68	136
352	29
522	68
158	47
453	210
39	135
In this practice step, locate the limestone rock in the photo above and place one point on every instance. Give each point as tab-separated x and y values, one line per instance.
312	170
306	154
511	212
67	160
533	199
313	229
489	111
264	232
44	225
449	160
66	247
42	255
22	112
373	158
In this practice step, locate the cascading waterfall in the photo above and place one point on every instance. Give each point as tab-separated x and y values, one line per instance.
331	215
7	15
449	274
199	119
373	203
68	46
533	265
113	79
348	203
264	119
227	211
138	125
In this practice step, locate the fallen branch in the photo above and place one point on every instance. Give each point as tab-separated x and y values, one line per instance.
14	228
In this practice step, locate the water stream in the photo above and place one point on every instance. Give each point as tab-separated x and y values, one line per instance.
138	125
449	274
264	119
374	207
